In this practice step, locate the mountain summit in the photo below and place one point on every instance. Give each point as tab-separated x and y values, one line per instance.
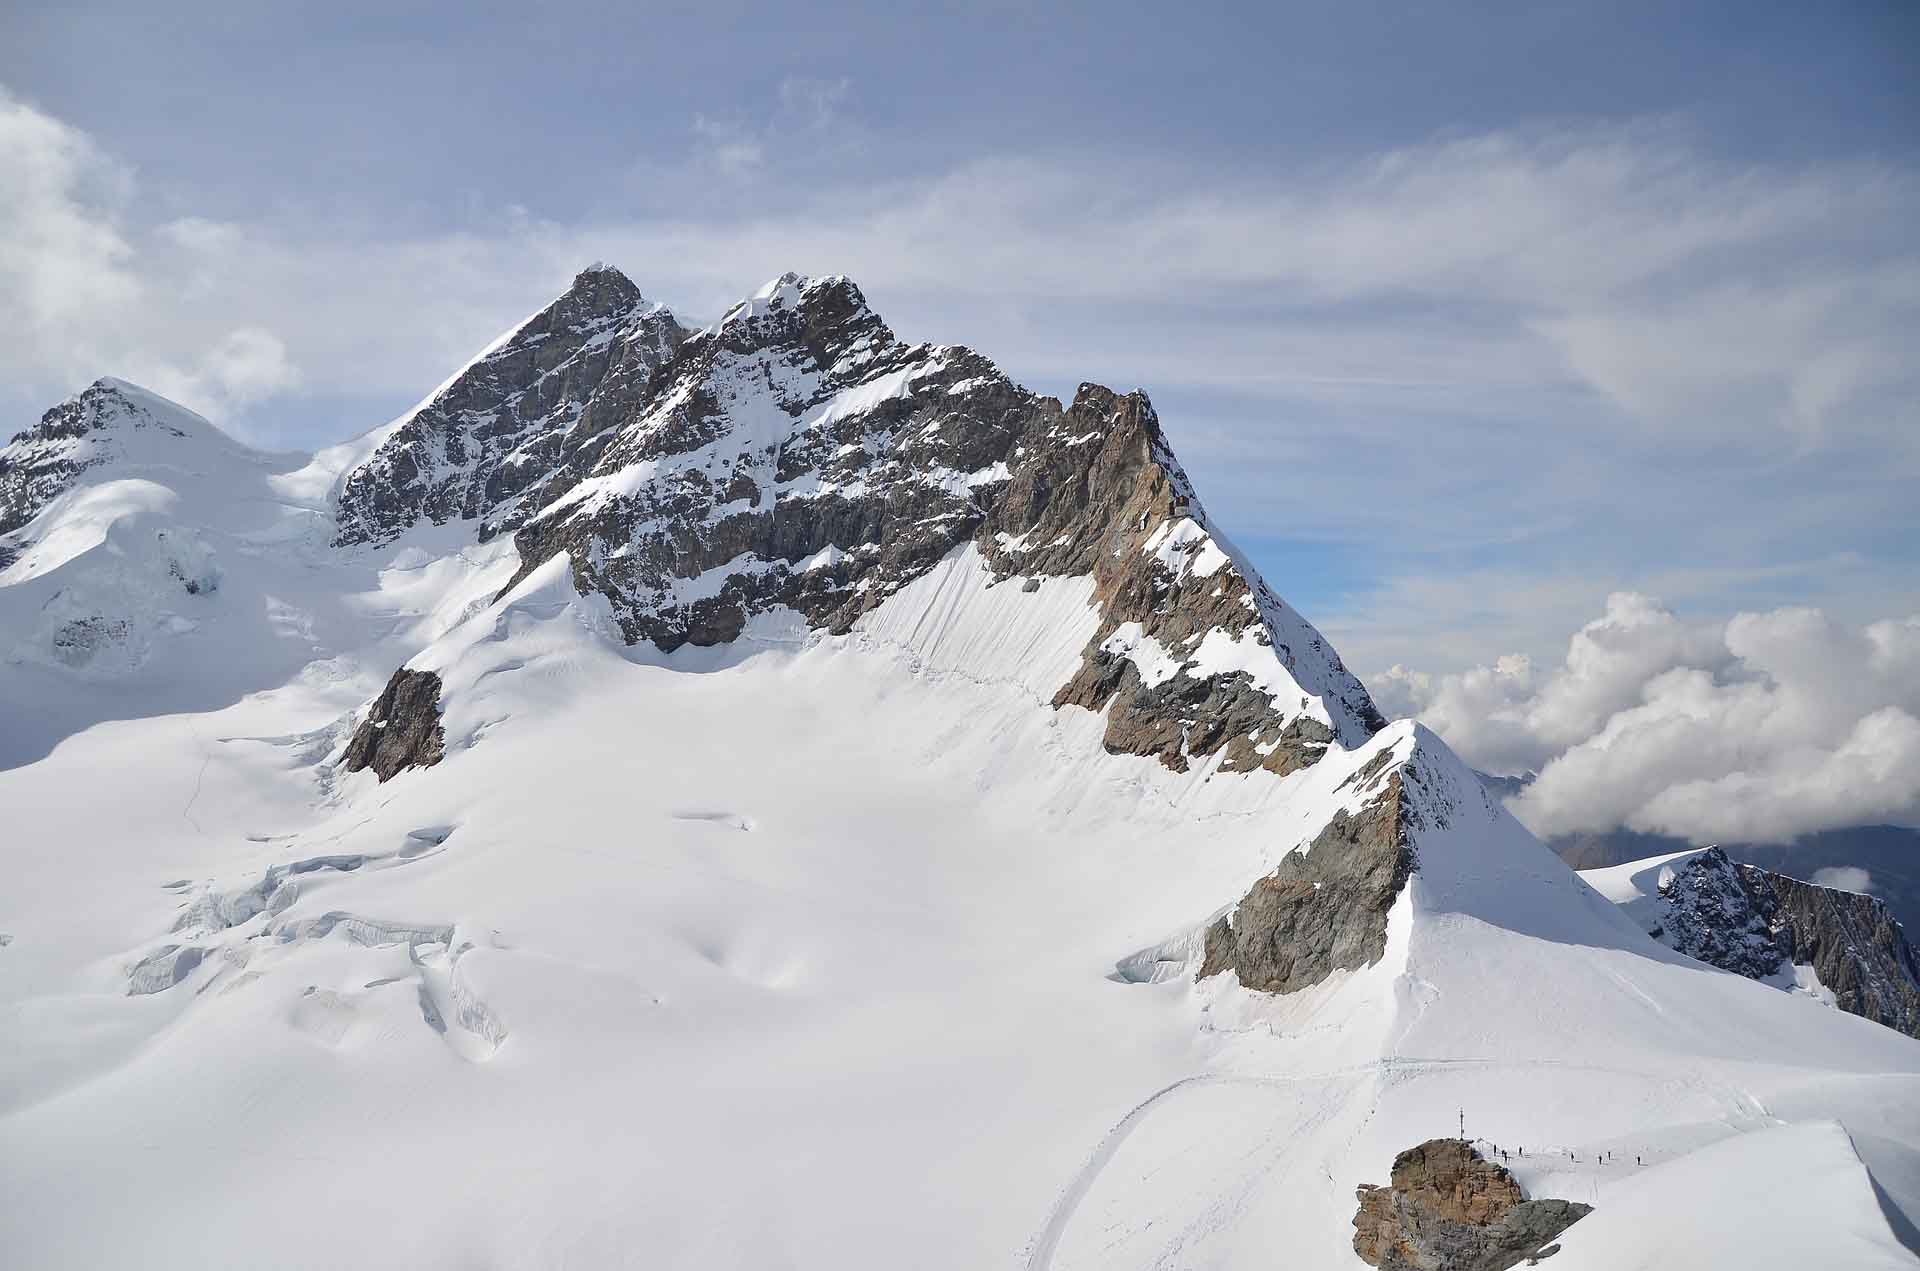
774	794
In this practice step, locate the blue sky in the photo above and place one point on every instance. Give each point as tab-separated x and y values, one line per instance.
1463	317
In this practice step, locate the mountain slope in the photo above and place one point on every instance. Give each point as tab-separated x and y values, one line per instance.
839	788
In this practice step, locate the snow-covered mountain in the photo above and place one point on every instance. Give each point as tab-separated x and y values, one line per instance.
157	567
1842	947
773	795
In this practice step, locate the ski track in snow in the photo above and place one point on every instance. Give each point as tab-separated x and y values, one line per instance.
199	778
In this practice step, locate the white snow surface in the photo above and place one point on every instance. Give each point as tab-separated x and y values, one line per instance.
798	952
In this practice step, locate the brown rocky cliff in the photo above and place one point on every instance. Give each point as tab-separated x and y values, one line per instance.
1088	493
1321	910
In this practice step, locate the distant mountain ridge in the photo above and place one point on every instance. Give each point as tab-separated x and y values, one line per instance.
1890	854
1842	947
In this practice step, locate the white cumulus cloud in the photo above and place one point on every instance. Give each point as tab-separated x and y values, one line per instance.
1760	729
83	292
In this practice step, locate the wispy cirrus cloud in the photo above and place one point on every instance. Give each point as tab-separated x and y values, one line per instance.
1696	295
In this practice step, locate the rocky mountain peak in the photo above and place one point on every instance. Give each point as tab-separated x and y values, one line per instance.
116	406
791	292
798	456
597	292
824	322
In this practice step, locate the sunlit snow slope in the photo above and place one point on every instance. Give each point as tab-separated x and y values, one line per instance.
850	939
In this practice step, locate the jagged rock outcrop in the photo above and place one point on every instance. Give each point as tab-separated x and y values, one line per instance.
1099	492
1762	925
522	424
1449	1209
1324	908
402	729
795	455
1888	854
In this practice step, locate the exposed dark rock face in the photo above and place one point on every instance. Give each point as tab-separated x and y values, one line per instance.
1325	908
80	433
745	485
1758	924
402	730
1322	910
1448	1209
522	424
